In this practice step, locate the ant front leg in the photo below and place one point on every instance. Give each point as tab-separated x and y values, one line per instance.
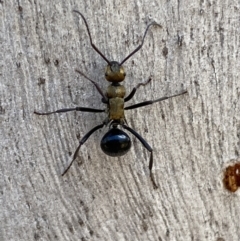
149	148
129	97
104	98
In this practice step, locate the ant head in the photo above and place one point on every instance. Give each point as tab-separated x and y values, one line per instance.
114	72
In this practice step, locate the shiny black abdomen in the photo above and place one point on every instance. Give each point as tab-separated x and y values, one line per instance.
115	142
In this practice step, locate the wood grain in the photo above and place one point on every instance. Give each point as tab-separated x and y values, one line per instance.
194	136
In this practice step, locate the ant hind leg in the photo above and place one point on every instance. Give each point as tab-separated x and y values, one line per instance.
81	142
149	148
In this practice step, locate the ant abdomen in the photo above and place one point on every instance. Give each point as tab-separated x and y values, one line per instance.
115	142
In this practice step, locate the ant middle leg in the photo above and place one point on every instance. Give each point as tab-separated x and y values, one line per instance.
150	102
83	109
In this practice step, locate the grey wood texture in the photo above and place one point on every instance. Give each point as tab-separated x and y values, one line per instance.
194	136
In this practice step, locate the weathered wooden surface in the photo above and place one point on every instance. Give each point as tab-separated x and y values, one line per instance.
194	136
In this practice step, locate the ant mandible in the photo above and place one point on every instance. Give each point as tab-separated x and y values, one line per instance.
115	142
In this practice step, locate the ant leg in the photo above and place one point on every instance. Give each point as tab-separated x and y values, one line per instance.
83	109
82	141
149	102
129	97
104	98
149	148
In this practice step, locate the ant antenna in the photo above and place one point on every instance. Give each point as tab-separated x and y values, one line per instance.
140	46
92	44
97	50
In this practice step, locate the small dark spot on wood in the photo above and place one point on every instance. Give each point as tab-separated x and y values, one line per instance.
70	228
80	162
91	232
38	226
28	204
220	239
145	226
36	236
44	217
20	8
80	221
18	64
56	62
203	49
163	116
191	33
43	177
201	12
2	110
210	190
165	51
86	209
47	60
41	81
196	83
180	40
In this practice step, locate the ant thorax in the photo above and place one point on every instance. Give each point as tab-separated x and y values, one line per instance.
115	94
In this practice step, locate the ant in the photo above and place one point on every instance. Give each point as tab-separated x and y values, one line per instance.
115	142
